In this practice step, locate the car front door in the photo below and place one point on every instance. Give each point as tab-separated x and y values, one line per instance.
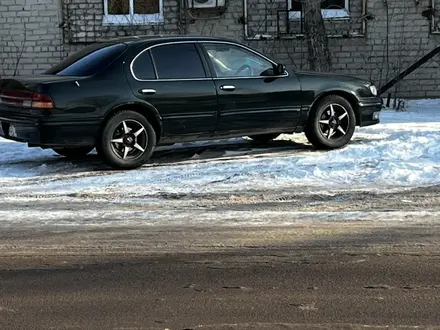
175	80
251	97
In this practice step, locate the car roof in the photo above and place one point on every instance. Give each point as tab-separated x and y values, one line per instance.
164	38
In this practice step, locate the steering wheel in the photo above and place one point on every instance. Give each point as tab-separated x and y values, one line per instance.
242	68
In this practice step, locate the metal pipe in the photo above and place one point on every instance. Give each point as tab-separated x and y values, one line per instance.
364	21
245	14
409	70
433	28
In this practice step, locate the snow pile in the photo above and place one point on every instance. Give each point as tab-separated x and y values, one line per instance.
402	151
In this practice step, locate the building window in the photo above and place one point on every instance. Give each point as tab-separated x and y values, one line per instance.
331	9
133	12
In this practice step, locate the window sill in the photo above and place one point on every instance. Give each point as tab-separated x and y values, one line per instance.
327	14
132	19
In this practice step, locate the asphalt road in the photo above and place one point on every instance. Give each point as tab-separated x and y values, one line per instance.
311	273
326	277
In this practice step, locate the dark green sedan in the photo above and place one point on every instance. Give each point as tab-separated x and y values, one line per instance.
124	97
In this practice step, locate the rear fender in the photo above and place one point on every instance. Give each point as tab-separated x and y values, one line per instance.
144	108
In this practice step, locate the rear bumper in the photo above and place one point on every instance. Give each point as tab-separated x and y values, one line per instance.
369	109
37	132
22	132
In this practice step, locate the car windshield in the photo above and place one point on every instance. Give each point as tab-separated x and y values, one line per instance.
88	61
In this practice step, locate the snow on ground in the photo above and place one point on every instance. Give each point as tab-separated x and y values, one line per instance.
402	151
40	188
128	218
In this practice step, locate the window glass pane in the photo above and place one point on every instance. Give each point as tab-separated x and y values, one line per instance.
143	67
146	6
234	61
89	60
333	4
296	5
179	61
325	4
118	7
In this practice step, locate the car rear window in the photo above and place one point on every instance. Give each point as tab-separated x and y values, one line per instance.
89	60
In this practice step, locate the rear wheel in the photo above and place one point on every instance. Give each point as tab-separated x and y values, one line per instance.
331	123
127	140
73	153
264	138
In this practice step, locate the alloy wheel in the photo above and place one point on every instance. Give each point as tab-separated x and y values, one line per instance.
334	122
129	140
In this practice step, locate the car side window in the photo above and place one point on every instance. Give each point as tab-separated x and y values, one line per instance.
143	68
178	61
231	61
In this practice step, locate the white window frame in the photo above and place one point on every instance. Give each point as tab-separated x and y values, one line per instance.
326	13
132	18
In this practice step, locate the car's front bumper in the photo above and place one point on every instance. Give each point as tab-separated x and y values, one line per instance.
48	134
369	111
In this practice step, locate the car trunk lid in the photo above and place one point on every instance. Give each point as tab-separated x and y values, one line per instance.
21	93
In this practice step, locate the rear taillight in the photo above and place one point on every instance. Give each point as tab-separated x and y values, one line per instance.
41	101
26	99
15	98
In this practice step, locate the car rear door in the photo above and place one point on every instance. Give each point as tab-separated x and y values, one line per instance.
174	78
250	97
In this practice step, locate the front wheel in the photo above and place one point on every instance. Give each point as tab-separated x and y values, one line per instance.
127	140
331	123
73	153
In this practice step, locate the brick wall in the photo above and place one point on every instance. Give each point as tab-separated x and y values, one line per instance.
40	32
30	39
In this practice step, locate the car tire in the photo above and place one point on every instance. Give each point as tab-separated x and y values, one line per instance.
264	138
73	152
127	140
331	123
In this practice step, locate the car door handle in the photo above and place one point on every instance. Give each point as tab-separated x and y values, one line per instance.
228	88
147	91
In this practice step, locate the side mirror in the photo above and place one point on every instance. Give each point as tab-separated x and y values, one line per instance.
280	69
